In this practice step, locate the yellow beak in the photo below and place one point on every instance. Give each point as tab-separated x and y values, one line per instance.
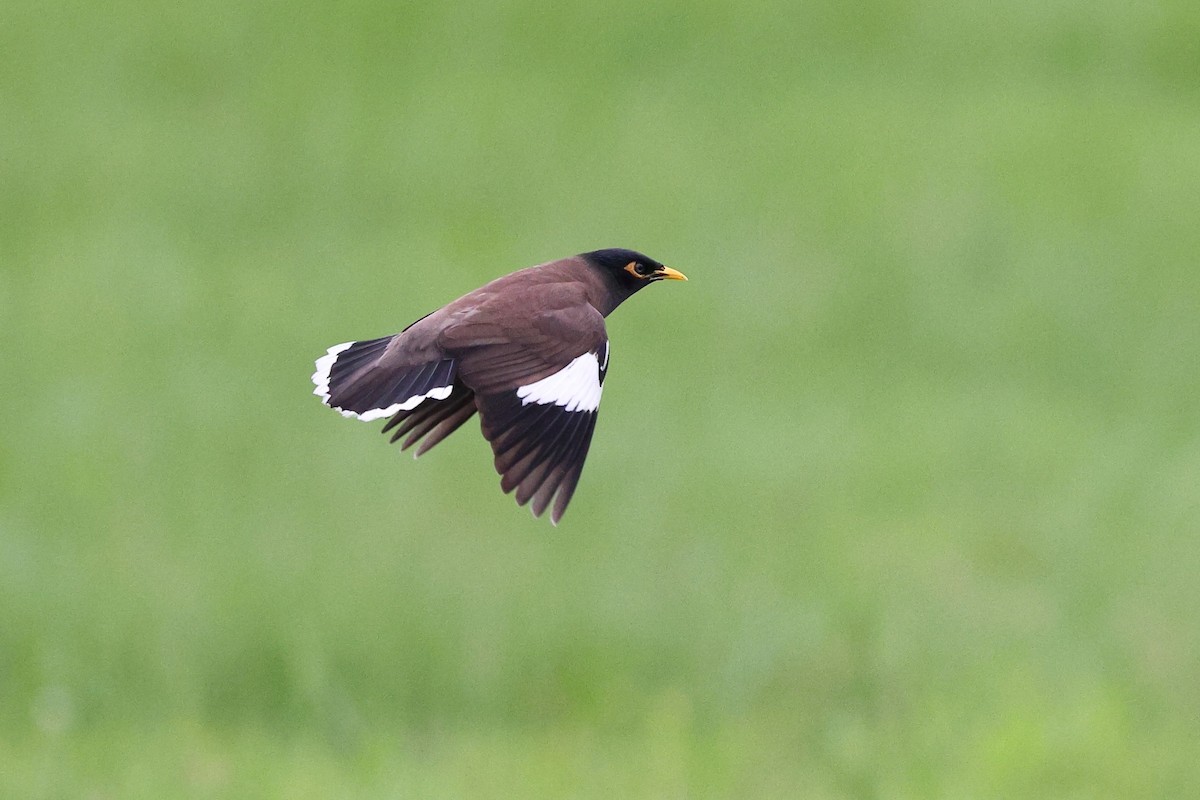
671	274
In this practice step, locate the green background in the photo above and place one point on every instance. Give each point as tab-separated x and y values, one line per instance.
896	498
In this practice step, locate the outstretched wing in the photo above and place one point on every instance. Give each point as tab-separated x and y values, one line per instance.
537	387
430	422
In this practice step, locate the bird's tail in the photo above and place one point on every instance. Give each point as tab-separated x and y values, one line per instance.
354	379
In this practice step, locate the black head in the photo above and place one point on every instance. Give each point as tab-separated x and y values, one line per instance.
629	270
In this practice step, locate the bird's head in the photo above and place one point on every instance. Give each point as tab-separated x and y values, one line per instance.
629	270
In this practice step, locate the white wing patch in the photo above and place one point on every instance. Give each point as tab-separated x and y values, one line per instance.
575	387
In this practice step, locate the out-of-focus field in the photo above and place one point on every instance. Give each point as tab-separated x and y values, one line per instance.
897	498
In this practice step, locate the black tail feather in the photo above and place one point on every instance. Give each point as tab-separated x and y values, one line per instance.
351	379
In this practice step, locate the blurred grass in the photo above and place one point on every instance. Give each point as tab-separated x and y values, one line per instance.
896	498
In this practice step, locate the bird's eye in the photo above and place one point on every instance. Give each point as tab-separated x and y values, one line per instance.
639	270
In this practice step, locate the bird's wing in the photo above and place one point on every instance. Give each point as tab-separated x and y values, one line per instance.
537	381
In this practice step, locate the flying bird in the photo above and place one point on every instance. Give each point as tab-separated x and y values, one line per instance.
528	351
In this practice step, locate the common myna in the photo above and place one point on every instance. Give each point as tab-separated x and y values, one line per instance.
528	351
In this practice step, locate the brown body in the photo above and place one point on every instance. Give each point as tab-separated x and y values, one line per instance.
527	351
560	307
